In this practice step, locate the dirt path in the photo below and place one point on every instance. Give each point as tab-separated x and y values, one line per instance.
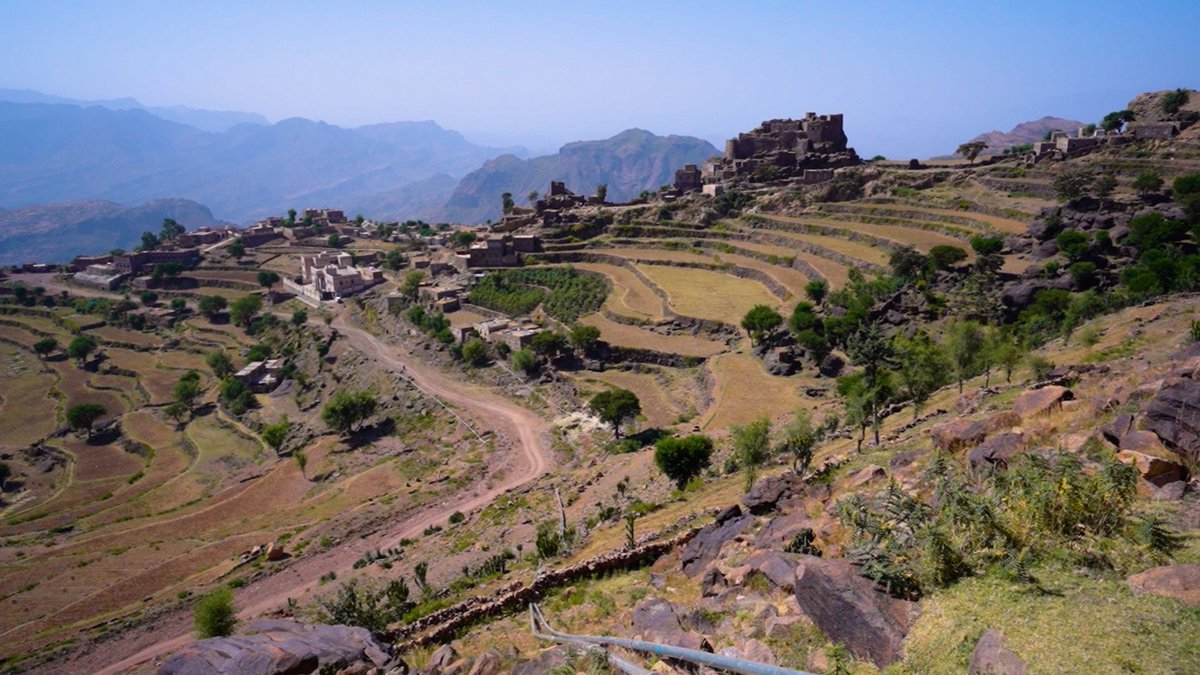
303	576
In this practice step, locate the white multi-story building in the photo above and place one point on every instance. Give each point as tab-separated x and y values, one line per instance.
332	275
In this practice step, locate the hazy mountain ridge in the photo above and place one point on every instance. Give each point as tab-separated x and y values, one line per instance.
55	152
630	162
59	232
206	120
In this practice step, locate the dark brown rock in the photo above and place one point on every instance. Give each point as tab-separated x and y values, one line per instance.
1174	416
705	546
991	658
440	660
780	531
997	451
778	568
769	493
848	609
1181	582
958	434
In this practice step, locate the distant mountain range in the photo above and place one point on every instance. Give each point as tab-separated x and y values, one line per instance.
59	232
630	162
1026	132
205	120
55	150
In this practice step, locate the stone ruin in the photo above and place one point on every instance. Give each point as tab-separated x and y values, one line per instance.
809	148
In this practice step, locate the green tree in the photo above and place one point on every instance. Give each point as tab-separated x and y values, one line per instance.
150	242
1008	356
335	240
1073	244
148	298
214	615
474	352
176	411
507	203
187	389
1104	185
267	278
922	368
291	217
944	256
178	304
971	150
907	263
1113	121
682	459
524	361
984	245
548	343
1148	182
751	446
584	337
275	434
816	290
1071	184
237	248
44	346
243	310
300	317
870	349
220	363
760	321
800	440
614	406
211	306
82	416
395	259
411	283
602	192
462	238
81	347
348	409
532	197
171	230
964	340
1186	191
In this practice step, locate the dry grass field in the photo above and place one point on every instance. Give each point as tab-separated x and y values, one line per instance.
743	391
623	335
659	406
709	295
853	249
630	296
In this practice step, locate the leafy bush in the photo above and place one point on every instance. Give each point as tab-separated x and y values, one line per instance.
682	459
214	615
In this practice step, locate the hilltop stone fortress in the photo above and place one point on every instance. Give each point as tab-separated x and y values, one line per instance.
809	148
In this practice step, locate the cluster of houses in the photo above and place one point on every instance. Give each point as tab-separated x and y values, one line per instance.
331	275
1063	146
107	272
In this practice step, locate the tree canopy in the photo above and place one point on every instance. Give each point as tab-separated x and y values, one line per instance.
614	406
347	410
682	459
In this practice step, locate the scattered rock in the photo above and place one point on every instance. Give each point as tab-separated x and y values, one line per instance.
991	658
848	609
1041	401
1159	471
1181	582
712	583
1171	492
997	451
1174	416
272	647
548	660
751	650
778	568
866	475
488	663
780	531
705	546
831	365
656	621
440	660
767	494
275	551
958	434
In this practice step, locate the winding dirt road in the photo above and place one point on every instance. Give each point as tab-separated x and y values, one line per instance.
304	575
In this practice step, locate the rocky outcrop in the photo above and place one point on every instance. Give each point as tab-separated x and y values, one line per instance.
1041	401
991	658
1174	416
997	451
704	547
771	493
958	434
274	647
1181	582
656	621
848	609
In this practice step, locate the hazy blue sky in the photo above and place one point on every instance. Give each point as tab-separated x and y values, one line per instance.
913	78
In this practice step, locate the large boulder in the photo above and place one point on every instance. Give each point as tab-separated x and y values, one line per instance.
991	658
1020	295
276	647
781	530
440	661
849	610
958	434
704	547
778	568
657	621
1174	416
771	493
997	451
1041	401
1181	582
